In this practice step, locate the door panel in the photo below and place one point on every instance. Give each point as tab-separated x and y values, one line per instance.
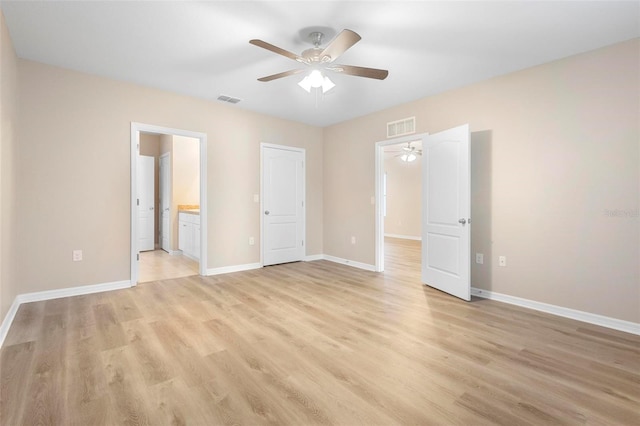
165	203
146	216
446	208
283	202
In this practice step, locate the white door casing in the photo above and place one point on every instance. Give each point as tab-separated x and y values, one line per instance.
379	193
165	202
146	202
136	129
283	212
446	206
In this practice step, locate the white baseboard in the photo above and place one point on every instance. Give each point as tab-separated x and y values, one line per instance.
348	262
313	257
601	320
8	319
234	268
175	252
404	237
55	294
72	291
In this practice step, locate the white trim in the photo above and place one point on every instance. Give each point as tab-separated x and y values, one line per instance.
170	185
72	291
313	257
601	320
8	319
55	294
136	128
379	208
234	268
174	252
348	262
303	151
404	237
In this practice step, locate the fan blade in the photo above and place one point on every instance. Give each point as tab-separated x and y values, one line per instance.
360	71
280	75
340	44
279	51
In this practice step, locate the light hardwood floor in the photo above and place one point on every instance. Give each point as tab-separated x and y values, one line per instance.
158	265
311	343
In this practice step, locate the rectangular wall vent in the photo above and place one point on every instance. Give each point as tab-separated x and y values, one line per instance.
229	99
406	126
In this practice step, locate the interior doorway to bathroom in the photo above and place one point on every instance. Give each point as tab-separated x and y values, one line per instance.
168	183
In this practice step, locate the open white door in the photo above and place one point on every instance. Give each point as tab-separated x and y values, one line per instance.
446	212
283	204
146	212
165	202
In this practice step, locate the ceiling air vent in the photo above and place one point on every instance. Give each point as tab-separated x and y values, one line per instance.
406	126
229	99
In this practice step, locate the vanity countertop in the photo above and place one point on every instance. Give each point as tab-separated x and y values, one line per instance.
189	208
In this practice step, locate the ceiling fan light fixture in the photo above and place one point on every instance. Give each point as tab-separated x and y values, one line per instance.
316	80
327	85
305	84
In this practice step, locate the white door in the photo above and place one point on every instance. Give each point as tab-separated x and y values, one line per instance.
283	205
165	202
446	212
146	213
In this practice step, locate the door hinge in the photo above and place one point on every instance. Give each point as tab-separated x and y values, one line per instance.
303	204
137	201
303	243
138	256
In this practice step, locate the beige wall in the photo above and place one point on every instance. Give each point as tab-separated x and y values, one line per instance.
404	182
74	193
554	148
9	288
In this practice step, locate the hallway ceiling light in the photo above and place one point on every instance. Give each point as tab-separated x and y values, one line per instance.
408	157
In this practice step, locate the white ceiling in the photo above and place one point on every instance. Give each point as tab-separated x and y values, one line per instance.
202	49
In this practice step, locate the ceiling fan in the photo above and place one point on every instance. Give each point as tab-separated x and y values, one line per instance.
319	59
408	153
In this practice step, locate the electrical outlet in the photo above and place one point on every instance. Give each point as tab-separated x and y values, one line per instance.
252	241
77	255
353	240
479	258
502	261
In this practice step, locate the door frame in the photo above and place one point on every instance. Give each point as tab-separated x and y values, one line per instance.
379	176
304	194
136	128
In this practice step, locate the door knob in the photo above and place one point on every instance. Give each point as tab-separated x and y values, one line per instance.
462	221
266	212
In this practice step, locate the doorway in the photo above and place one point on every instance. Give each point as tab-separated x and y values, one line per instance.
401	200
166	205
445	203
401	221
